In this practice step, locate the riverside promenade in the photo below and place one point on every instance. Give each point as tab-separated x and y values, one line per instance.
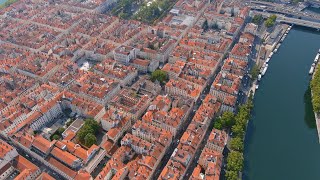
318	124
316	115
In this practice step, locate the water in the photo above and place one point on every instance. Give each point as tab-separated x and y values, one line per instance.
312	10
282	142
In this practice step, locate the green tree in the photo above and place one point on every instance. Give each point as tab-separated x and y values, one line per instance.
236	144
90	127
215	26
227	120
271	21
90	139
92	123
83	132
250	102
159	75
254	72
56	137
315	88
238	130
257	19
217	124
235	161
232	175
60	130
205	25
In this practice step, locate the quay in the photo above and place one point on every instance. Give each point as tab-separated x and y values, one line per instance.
273	50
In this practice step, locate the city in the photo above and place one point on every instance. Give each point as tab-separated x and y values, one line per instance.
132	89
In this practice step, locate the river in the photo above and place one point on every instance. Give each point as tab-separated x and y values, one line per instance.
281	141
312	10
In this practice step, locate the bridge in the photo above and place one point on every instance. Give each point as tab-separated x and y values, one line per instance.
287	11
291	20
313	3
291	11
299	22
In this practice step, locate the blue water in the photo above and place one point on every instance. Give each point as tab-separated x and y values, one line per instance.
280	143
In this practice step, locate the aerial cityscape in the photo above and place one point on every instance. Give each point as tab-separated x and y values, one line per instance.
159	89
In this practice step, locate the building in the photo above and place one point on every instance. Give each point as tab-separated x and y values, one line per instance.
251	28
225	84
217	140
130	103
124	54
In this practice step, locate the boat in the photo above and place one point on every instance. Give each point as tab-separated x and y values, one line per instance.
270	54
289	28
275	50
259	77
262	67
312	68
268	59
257	86
316	58
264	71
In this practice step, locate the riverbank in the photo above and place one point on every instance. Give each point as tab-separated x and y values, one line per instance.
315	96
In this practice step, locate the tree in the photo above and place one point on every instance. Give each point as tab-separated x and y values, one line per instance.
215	26
90	127
83	132
205	25
217	124
238	130
315	88
236	144
93	124
60	130
90	139
159	75
227	120
257	19
254	72
271	21
56	137
232	175
235	161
